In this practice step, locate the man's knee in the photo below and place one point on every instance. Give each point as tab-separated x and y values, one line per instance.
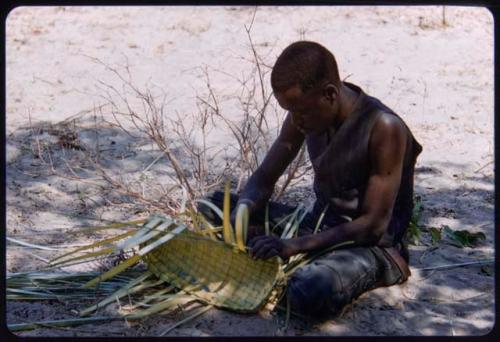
316	290
217	199
209	213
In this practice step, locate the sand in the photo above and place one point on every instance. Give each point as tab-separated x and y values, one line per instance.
437	76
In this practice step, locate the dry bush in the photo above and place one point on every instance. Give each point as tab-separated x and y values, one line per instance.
252	131
61	148
142	113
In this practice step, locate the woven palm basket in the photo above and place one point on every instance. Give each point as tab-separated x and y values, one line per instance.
227	277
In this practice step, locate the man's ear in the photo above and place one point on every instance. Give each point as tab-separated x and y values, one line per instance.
330	92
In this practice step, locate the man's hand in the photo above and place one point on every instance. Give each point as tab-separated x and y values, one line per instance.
265	247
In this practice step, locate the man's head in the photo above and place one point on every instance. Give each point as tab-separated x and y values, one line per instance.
306	82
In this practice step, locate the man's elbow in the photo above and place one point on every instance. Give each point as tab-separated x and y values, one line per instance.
376	228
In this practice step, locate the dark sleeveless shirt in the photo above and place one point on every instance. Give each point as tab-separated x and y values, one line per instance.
341	164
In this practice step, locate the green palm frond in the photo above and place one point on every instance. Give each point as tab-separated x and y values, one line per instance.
241	226
226	223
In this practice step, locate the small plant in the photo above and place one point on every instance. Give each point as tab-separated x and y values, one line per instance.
463	238
436	235
414	233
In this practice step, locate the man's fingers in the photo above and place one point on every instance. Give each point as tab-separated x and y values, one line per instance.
260	246
258	249
252	241
262	251
264	247
257	240
270	253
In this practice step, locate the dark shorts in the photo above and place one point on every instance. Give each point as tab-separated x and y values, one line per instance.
327	284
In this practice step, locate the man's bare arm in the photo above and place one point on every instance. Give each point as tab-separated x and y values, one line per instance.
260	185
387	149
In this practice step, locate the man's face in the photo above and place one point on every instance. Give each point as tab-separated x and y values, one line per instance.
313	112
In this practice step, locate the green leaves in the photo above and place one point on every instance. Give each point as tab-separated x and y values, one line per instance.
458	238
414	234
463	238
435	235
417	210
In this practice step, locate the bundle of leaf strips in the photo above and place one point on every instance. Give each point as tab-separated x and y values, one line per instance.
206	264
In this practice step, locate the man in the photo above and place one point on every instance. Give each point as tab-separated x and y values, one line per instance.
363	156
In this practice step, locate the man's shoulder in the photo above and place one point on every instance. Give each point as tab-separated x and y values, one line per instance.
388	128
389	121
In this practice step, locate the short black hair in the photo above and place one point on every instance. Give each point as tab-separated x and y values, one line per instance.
306	64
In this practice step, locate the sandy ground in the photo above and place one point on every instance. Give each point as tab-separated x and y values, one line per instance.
438	77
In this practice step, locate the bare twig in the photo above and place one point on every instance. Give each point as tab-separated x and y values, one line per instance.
153	162
448	266
152	124
443	19
484	166
140	113
97	152
39	153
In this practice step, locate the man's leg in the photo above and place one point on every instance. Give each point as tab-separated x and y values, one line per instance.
327	284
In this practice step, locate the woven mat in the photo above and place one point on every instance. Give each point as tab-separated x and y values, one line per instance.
226	277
